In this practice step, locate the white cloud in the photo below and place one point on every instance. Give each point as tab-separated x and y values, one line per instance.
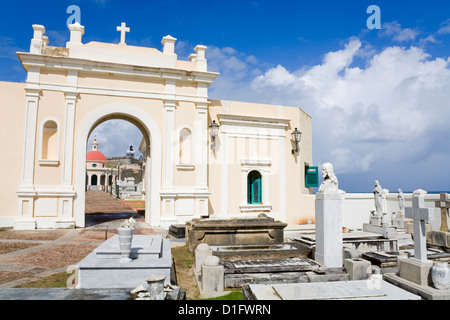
115	137
394	30
445	27
401	95
393	111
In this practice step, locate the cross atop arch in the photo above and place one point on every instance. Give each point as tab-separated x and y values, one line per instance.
123	30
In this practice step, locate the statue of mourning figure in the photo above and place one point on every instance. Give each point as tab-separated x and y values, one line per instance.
378	199
377	216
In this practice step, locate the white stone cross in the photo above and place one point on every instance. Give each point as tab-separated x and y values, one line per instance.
123	29
420	215
444	204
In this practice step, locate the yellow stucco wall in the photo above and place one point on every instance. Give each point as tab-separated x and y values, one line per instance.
11	140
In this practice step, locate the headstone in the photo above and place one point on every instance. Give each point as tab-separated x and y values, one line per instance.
441	238
329	220
417	269
444	204
420	215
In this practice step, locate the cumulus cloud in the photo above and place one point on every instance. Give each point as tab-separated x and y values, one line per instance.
367	115
391	112
115	137
397	33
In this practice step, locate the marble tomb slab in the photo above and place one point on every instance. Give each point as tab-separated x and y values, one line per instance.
102	268
339	290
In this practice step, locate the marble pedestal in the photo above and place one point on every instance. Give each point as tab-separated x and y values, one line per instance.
329	229
150	255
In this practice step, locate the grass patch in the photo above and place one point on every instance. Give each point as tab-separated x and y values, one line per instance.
58	280
183	254
233	295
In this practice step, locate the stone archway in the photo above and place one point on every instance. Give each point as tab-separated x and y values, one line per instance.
151	133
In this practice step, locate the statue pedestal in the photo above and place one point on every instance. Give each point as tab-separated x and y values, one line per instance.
329	229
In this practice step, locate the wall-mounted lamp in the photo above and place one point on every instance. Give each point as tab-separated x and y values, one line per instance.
296	137
214	131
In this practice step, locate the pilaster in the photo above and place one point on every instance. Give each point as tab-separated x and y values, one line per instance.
201	143
169	114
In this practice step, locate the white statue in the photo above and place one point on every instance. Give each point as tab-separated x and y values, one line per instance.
401	201
330	182
378	196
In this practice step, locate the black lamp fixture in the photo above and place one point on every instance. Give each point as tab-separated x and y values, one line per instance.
214	131
296	137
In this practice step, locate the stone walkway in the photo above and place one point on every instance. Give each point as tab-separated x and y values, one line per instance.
27	256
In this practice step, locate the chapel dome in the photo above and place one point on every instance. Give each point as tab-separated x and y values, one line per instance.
95	156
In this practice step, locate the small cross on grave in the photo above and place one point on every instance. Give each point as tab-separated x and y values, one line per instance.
420	215
444	204
123	29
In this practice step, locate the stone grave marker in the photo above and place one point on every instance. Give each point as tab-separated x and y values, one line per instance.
420	215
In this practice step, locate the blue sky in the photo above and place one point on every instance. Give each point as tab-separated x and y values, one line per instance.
379	99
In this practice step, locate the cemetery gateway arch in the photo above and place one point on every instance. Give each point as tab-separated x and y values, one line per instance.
144	122
190	173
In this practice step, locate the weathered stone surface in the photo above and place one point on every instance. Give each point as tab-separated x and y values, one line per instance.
255	252
358	269
246	231
415	270
439	238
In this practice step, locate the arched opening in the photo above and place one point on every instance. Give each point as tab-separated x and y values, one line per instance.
254	187
152	157
108	155
94	180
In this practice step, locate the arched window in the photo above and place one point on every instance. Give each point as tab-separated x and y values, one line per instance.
254	187
102	180
185	146
50	141
94	180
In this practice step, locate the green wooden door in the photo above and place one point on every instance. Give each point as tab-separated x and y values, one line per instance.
254	187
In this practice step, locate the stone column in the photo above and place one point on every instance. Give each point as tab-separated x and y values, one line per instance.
212	278
329	229
202	252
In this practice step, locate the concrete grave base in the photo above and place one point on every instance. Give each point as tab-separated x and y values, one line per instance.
426	292
151	255
414	270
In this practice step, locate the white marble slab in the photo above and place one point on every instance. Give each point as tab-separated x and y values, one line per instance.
337	290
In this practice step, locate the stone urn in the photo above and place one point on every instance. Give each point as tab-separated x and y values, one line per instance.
440	275
156	286
125	234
